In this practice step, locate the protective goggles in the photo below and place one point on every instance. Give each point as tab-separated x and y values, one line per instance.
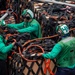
26	17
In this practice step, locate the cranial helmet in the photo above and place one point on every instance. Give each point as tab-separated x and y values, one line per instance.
62	29
28	11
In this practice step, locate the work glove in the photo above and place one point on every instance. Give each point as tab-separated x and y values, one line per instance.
18	44
2	23
12	31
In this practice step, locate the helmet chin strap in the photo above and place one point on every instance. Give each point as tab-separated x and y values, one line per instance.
64	36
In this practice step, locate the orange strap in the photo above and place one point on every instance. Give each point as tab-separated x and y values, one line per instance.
47	67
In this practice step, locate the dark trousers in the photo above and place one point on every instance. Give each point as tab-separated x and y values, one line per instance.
65	71
3	67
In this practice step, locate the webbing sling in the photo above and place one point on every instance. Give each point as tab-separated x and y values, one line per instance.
47	66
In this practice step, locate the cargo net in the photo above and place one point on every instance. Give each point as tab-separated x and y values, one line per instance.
50	15
22	62
15	61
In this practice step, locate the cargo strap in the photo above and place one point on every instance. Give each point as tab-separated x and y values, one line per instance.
47	67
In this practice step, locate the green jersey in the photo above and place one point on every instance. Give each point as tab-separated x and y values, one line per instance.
32	27
67	55
4	49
